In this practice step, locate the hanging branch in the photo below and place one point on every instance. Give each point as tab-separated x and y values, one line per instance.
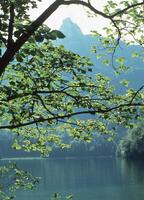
85	112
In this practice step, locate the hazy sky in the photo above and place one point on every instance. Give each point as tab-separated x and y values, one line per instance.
76	13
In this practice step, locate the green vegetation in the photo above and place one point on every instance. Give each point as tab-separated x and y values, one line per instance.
46	90
132	145
12	178
57	196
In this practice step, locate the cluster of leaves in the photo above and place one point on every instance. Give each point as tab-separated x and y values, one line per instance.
126	25
15	20
16	11
44	32
12	179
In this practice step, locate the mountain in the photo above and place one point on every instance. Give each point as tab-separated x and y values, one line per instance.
82	44
70	29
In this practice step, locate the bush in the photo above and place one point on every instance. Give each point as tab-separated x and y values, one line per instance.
132	145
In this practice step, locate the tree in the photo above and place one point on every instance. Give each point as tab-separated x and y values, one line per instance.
46	90
132	145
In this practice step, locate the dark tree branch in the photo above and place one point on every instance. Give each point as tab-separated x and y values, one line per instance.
88	5
11	26
117	41
43	104
36	93
127	8
58	117
10	52
137	92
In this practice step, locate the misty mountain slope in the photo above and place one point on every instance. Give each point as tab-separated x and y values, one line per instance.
82	44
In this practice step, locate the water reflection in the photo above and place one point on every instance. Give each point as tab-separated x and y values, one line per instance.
87	179
132	169
13	178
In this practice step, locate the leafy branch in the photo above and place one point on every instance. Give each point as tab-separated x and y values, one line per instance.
57	117
11	52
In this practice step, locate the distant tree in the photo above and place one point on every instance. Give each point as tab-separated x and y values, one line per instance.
132	145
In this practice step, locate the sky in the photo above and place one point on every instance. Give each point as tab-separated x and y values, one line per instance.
77	13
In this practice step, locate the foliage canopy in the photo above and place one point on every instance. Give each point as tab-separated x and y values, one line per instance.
47	88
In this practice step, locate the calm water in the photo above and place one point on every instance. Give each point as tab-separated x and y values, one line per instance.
86	179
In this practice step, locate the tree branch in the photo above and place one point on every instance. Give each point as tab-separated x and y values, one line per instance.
141	88
10	52
127	8
11	26
57	117
16	96
88	5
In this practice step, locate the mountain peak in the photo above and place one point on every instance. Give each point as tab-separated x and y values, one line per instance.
69	28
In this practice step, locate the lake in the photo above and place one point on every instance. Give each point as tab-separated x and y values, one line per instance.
104	178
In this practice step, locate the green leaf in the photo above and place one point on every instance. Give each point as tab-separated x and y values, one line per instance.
125	83
120	60
16	146
39	38
135	55
19	58
57	34
106	62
